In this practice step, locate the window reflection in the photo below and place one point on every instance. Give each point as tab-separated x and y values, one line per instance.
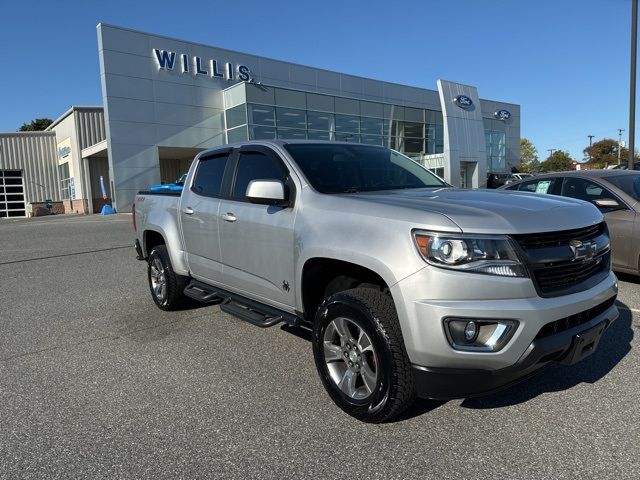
261	133
262	115
319	121
347	123
496	151
291	118
415	138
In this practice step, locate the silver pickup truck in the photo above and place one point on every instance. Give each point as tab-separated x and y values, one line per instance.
410	287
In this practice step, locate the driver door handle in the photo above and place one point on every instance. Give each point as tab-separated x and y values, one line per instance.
187	211
229	217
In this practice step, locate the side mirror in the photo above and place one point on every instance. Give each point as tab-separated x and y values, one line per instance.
267	192
607	203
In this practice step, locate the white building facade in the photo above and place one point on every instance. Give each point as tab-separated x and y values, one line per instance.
166	99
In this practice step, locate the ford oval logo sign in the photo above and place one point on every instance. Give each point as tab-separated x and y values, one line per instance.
502	114
463	101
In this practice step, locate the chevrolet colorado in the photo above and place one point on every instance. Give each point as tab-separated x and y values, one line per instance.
410	287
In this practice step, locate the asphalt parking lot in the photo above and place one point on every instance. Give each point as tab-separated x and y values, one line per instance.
96	382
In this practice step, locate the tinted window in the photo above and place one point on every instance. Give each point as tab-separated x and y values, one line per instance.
584	190
290	118
256	166
208	180
236	116
350	168
629	184
543	185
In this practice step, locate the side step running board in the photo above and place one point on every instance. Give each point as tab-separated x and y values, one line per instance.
246	309
202	293
248	315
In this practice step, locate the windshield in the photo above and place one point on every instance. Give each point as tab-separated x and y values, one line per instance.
339	168
629	184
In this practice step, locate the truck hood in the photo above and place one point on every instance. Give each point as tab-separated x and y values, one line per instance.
492	211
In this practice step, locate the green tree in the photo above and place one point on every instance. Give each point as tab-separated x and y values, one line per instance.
529	161
560	161
36	125
605	152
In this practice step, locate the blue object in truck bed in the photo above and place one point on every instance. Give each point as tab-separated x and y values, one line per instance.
166	188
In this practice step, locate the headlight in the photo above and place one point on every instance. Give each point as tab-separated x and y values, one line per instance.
492	255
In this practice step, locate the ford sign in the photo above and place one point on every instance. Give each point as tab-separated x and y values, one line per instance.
463	102
502	114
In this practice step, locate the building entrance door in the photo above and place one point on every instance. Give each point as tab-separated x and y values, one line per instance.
463	177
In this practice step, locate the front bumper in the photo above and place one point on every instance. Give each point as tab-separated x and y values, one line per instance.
424	299
569	346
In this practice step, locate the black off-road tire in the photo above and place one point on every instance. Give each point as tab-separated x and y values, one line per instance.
373	311
174	297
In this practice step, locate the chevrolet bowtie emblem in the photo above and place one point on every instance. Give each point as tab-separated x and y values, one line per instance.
583	250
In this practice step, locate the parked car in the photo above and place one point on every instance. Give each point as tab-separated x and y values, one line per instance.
496	180
615	192
625	166
522	176
410	288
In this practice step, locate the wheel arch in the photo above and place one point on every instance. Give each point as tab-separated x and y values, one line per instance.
154	235
323	276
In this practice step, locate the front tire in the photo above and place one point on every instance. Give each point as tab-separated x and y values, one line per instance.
360	355
166	286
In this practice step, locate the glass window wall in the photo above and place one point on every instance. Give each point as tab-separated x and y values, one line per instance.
496	151
409	130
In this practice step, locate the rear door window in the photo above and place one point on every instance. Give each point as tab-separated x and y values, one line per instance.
585	190
209	175
542	185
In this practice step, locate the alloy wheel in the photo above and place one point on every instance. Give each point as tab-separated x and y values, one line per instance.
350	358
158	279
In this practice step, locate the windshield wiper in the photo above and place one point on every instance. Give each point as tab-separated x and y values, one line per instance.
350	190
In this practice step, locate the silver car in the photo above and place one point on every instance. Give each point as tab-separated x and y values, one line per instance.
616	193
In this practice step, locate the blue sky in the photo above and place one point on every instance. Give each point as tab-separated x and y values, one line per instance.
566	62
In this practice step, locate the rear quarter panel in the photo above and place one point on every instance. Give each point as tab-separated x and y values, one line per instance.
159	213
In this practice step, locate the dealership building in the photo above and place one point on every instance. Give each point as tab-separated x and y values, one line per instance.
165	100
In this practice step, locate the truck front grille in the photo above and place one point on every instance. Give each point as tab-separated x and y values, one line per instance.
555	278
554	269
557	239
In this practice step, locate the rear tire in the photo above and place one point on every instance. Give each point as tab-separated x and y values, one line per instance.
166	286
360	355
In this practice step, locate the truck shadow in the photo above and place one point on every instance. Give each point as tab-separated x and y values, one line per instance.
627	277
614	346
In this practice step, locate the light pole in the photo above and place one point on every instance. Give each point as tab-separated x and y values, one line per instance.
551	150
590	143
632	82
620	130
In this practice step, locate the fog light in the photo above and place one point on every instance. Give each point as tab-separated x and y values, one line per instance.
479	335
470	331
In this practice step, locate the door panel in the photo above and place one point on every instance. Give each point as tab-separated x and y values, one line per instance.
199	217
200	233
621	223
257	241
258	250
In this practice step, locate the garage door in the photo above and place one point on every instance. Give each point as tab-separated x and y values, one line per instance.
11	194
